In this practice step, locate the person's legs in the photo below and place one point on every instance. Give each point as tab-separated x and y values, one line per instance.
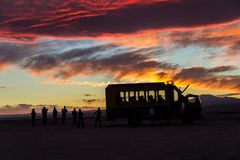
96	120
33	121
82	123
44	120
75	122
100	122
54	120
63	120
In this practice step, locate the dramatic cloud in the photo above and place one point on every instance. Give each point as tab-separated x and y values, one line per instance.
129	64
132	65
12	54
119	65
83	83
30	20
208	78
97	42
199	72
90	101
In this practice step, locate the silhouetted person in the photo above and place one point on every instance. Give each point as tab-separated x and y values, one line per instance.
132	100
80	118
151	99
142	100
160	99
64	115
98	115
74	115
44	116
33	113
55	115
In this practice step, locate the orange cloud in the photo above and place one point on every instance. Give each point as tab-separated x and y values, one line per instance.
2	66
129	67
69	82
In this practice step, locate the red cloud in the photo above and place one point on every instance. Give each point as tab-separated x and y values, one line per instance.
71	18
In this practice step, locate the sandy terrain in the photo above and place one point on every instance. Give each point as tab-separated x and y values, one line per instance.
216	137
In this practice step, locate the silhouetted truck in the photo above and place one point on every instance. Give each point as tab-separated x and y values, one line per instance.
136	101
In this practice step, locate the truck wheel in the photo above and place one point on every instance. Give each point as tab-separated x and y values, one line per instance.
187	119
138	121
130	121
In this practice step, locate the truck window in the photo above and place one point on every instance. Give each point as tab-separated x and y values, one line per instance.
132	98
136	95
120	98
141	97
151	97
161	97
192	99
126	97
175	96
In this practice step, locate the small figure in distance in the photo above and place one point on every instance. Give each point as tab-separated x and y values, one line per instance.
80	118
64	115
74	115
98	115
33	113
55	116
44	115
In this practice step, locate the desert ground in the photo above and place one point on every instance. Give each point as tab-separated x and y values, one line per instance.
217	136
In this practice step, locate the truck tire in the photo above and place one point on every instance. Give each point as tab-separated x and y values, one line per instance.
187	118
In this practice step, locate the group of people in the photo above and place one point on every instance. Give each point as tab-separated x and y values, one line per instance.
141	100
77	117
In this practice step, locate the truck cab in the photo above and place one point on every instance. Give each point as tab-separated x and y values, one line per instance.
192	108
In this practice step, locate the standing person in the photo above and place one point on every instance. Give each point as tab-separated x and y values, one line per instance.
80	118
33	113
98	115
74	115
64	115
55	115
44	115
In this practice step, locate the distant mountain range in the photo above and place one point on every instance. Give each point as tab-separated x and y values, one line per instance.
208	99
216	104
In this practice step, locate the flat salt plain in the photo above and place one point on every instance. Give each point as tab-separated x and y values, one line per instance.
215	137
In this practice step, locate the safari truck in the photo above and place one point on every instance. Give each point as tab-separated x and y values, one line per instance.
135	102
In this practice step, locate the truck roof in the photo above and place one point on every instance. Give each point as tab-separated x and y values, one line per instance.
137	84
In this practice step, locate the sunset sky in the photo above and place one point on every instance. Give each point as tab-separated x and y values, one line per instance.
65	52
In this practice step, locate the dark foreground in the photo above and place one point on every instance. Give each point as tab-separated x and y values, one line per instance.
217	137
